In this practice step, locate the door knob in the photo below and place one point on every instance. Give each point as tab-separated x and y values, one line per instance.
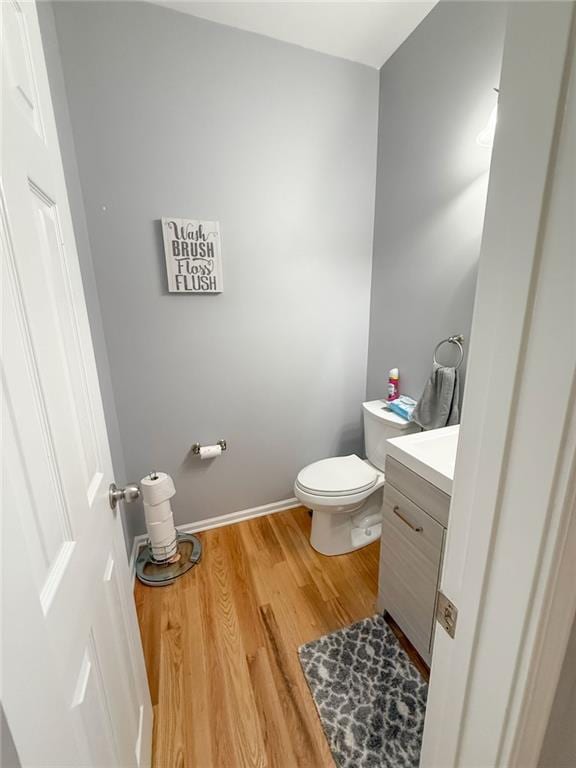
129	493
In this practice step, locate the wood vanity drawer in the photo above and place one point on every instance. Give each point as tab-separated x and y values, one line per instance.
410	554
420	491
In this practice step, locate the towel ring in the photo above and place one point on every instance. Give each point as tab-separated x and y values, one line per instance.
452	340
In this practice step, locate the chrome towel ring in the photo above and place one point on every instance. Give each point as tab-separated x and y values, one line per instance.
452	340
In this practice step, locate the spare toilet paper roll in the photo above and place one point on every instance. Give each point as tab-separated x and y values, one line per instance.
160	532
157	513
163	552
162	539
210	451
157	489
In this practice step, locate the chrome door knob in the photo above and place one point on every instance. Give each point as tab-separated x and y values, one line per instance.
129	493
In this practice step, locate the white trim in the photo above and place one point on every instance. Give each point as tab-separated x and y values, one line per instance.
137	542
138	746
238	517
219	522
551	616
507	556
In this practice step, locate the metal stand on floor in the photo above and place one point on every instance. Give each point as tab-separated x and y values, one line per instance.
155	573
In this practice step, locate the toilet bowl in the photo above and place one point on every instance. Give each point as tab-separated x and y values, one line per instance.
345	495
345	492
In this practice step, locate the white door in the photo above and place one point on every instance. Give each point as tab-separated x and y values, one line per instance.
74	687
510	561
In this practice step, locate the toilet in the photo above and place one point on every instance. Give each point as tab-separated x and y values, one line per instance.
345	492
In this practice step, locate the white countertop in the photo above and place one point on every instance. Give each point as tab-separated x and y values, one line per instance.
432	454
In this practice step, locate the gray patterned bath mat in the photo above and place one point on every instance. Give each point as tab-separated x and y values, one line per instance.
370	697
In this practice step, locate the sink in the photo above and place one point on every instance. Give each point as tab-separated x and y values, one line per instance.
432	454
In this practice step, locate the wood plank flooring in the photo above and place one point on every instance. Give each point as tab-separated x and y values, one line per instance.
221	644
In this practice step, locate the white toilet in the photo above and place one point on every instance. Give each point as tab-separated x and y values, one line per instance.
345	493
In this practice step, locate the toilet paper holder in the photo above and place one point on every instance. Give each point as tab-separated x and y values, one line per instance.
196	447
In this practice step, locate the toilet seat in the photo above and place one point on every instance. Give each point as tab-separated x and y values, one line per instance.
337	477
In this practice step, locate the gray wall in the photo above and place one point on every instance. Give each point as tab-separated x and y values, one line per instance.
67	148
8	754
435	97
559	747
176	116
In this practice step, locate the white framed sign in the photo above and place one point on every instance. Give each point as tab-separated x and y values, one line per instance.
193	255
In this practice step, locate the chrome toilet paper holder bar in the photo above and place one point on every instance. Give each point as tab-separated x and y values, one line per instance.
196	446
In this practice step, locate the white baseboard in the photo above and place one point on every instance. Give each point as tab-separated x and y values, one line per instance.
238	517
218	522
137	543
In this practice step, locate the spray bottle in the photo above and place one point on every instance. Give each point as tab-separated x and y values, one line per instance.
393	384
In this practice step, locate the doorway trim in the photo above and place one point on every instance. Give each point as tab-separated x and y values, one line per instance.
507	566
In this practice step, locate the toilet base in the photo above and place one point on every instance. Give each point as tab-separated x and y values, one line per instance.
336	531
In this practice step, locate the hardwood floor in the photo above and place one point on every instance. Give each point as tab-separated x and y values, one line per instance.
221	644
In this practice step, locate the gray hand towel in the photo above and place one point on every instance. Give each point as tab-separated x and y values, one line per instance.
439	405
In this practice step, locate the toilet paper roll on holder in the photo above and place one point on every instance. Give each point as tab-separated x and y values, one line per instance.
196	447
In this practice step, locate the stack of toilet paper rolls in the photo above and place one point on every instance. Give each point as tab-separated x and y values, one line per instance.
157	490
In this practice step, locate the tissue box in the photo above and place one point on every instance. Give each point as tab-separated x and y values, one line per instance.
403	406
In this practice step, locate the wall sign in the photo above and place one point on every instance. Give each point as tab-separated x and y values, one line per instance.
193	255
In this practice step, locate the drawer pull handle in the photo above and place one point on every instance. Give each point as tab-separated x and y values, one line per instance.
417	528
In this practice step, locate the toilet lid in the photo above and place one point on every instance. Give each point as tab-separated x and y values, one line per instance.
342	476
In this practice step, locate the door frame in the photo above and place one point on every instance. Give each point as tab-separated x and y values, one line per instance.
509	565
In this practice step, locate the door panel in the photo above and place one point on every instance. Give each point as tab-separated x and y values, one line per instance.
72	655
18	64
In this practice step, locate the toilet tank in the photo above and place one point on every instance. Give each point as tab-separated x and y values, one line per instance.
380	425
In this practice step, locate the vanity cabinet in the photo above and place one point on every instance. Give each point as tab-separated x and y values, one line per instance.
415	516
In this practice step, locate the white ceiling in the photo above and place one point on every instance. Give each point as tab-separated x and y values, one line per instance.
366	32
